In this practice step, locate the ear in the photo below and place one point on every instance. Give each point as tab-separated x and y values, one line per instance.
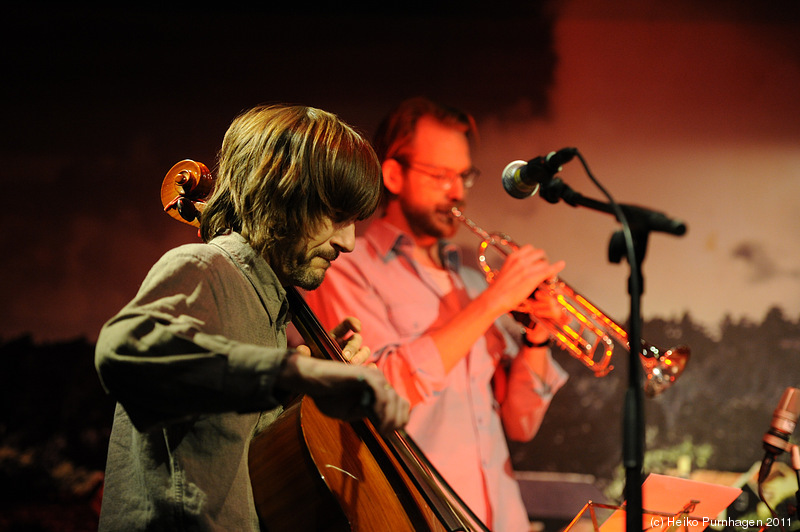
393	176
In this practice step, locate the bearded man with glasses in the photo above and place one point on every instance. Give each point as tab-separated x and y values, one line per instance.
441	336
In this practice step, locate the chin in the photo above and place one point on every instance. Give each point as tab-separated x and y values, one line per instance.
451	230
446	230
310	285
309	279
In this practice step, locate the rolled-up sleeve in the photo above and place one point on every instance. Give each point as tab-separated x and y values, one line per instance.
528	398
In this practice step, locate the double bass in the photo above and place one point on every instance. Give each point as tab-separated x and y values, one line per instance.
310	472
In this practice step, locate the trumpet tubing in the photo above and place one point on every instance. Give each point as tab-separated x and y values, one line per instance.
583	330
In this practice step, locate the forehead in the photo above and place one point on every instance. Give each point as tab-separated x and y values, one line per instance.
439	144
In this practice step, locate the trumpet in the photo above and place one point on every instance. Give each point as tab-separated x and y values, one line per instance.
583	330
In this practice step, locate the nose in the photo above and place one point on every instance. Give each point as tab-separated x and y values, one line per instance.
345	237
456	190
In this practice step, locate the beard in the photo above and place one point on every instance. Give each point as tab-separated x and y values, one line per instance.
437	223
296	268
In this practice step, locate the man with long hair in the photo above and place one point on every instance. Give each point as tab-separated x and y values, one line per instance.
436	329
198	360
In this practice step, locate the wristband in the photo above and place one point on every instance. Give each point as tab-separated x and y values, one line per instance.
527	343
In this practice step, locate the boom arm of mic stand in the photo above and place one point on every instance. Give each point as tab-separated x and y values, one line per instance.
641	220
638	217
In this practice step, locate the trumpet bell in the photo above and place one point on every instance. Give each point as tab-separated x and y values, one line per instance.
662	370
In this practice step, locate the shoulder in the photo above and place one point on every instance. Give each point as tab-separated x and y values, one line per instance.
197	254
189	264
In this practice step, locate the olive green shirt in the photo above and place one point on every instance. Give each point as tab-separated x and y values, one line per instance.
192	362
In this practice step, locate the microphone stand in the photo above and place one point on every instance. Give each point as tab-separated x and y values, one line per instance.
640	222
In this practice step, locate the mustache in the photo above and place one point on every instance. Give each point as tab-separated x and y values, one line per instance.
447	208
330	256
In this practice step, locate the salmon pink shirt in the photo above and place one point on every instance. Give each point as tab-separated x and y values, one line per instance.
456	419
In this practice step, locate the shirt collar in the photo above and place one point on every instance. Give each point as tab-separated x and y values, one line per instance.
259	272
388	240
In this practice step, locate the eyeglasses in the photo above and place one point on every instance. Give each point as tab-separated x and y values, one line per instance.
444	177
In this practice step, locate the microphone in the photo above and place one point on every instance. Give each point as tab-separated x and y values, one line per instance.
784	420
522	180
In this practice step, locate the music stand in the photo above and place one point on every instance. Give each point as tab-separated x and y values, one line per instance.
669	503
